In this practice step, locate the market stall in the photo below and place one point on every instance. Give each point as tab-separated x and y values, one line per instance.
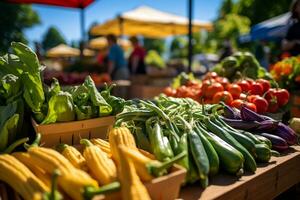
215	138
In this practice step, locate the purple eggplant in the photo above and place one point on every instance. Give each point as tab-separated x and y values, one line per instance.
286	133
230	112
267	126
278	143
249	115
241	124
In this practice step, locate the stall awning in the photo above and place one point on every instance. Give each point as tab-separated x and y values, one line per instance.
148	22
271	29
101	42
64	3
62	51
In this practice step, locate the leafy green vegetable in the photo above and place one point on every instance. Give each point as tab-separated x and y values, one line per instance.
8	131
96	98
83	112
81	95
9	86
33	93
60	108
116	103
54	89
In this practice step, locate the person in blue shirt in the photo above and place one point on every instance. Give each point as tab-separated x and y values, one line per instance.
117	66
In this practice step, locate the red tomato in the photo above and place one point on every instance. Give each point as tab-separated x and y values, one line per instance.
250	81
273	105
212	89
260	103
256	88
282	97
243	96
250	98
210	75
237	103
223	96
170	91
265	83
206	83
192	83
224	81
251	106
270	94
244	85
235	90
181	91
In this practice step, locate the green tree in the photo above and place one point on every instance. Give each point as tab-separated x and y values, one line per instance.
227	6
178	48
155	44
13	20
52	38
259	10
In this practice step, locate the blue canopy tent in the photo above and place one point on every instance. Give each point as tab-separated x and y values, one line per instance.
271	29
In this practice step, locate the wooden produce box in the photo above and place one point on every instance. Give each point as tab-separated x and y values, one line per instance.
269	181
71	132
162	188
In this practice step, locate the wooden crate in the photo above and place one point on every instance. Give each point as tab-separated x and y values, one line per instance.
162	188
71	132
270	180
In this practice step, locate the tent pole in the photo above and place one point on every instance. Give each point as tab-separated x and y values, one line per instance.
82	25
190	48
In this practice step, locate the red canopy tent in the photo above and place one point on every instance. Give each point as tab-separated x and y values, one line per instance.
81	4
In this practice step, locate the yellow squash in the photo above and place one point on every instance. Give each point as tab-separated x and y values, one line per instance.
100	165
104	145
131	186
72	155
20	178
120	136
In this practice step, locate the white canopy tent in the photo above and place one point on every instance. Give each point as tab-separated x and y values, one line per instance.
148	22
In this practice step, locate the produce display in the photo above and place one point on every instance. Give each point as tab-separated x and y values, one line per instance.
219	124
122	167
167	126
256	95
74	78
22	89
287	72
239	65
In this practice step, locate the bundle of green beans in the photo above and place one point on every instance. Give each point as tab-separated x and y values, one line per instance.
167	126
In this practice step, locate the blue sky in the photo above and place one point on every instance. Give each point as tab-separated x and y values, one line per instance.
67	20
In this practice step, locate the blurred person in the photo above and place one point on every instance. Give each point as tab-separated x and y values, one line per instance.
117	66
226	50
291	42
136	62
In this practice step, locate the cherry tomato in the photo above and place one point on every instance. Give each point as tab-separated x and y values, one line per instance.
235	90
244	85
212	89
224	81
170	91
210	75
251	106
181	91
256	88
260	103
265	83
237	103
282	97
224	96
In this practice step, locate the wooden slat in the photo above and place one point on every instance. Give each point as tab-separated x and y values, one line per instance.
269	181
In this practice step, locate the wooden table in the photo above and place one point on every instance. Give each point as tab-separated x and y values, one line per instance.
269	181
